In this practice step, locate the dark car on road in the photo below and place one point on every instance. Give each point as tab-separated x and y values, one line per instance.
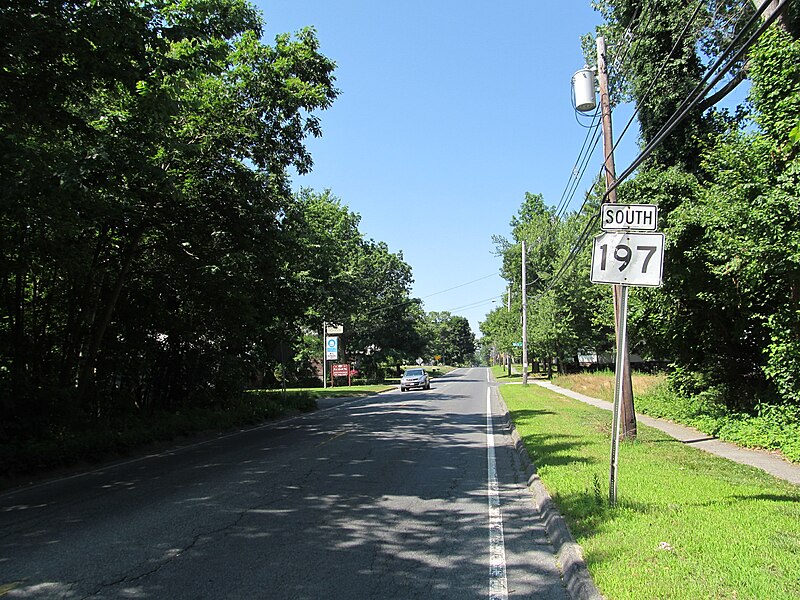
415	378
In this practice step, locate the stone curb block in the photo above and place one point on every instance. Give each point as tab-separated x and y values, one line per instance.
578	581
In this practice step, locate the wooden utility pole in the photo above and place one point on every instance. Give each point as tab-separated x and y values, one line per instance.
628	416
508	309
772	6
524	315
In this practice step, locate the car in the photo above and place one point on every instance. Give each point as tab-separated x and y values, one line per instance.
415	378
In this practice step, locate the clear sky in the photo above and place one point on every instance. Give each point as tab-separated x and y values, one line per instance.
450	110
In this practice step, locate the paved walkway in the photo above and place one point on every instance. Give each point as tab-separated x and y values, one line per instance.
688	435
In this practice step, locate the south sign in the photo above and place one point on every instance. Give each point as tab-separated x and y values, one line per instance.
629	217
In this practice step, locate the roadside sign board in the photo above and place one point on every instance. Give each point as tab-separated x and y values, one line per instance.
628	217
340	370
635	259
517	344
331	348
333	329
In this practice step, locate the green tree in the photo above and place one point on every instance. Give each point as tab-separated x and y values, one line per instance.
451	337
148	145
726	186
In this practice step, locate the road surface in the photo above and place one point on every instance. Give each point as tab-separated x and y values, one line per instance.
401	495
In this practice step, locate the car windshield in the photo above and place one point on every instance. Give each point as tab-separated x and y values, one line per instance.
413	373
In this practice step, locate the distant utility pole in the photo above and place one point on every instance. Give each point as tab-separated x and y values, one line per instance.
508	309
628	416
524	315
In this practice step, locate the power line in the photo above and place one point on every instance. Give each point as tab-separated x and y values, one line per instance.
582	161
689	102
460	286
693	98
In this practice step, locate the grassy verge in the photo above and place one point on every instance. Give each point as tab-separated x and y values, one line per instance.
601	384
335	392
500	373
687	524
773	427
101	441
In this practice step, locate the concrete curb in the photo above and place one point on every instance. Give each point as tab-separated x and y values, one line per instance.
577	580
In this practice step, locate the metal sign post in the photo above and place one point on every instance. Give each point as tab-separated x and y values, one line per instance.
622	349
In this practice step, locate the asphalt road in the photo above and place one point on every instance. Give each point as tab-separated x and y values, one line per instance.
390	496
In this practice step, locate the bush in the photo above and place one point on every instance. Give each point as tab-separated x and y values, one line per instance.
773	427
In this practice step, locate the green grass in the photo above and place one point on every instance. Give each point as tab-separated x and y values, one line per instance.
774	427
500	373
332	392
687	524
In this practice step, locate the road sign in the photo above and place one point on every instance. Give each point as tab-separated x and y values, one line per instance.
517	344
340	370
333	329
628	258
331	348
628	217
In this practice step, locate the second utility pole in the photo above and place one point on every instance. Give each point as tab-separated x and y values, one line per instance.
524	315
628	416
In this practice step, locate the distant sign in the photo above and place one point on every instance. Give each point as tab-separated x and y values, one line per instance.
628	217
635	259
340	370
333	329
331	348
517	344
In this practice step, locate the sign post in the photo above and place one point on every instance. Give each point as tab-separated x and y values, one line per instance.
331	352
622	257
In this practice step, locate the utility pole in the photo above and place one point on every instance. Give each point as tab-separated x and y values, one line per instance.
628	416
508	309
324	355
524	315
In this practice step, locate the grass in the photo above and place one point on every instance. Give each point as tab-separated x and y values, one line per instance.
601	384
774	427
687	525
500	373
332	392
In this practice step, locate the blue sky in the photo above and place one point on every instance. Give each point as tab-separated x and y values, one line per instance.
449	112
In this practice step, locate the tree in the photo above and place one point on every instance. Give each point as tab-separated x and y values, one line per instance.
726	187
148	145
566	312
450	337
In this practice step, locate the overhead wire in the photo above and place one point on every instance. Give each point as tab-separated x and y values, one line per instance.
582	162
694	97
689	102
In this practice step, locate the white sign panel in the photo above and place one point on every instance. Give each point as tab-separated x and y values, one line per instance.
628	258
331	348
628	217
334	329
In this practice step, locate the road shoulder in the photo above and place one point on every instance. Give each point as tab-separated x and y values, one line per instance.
575	573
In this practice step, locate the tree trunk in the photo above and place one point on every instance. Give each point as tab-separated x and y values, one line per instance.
86	374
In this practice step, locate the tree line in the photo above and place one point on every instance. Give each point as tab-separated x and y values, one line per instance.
727	184
152	253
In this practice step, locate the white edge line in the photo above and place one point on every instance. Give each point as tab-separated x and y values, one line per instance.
498	584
